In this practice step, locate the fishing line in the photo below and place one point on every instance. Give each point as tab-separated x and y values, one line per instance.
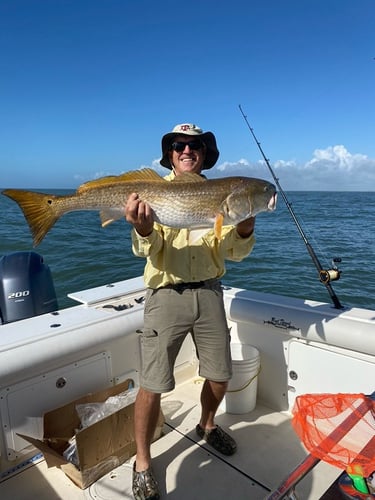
322	251
325	275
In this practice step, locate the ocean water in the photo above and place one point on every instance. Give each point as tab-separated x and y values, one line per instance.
81	254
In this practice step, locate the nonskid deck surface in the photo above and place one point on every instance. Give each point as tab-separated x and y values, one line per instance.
186	468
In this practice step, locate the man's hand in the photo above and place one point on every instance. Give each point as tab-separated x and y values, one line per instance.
246	227
139	214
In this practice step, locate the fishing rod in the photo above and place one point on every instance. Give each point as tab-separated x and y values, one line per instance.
325	275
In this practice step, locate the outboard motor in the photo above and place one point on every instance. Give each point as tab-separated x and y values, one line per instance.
26	287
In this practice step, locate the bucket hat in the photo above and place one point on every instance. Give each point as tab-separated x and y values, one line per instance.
212	153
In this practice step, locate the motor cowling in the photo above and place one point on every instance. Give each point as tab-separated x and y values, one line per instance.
26	287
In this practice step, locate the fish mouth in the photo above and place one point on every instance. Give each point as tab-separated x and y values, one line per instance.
272	203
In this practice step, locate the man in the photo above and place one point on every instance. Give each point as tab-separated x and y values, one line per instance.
184	295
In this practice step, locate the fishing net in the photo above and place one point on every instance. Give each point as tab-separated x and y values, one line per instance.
338	429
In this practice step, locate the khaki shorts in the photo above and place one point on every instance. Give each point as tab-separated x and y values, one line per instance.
169	316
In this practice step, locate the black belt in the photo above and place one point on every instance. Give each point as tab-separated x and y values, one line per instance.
193	285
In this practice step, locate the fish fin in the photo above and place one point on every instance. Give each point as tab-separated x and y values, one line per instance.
196	234
189	177
145	174
109	215
40	211
218	225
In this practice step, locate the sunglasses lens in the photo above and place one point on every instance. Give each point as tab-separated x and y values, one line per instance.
180	146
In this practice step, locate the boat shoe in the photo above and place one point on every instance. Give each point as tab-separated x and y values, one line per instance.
145	486
218	439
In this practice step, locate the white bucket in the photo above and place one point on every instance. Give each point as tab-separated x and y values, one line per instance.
242	388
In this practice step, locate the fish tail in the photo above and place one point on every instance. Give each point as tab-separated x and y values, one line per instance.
40	211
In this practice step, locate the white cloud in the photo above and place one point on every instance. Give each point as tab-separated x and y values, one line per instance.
330	169
241	167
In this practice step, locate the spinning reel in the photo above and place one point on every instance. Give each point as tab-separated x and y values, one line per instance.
327	275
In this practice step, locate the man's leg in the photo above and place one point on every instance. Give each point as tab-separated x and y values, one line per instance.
211	396
146	413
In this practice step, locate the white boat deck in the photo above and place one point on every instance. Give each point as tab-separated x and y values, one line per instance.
186	468
305	347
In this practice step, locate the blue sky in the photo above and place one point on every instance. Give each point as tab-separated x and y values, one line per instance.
88	87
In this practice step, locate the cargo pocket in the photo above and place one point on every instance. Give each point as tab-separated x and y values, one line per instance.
149	348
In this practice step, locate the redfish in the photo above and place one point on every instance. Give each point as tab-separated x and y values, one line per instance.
188	201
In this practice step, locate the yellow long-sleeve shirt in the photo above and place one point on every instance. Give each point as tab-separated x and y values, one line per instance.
171	260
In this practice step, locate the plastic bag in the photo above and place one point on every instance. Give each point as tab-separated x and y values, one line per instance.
91	413
70	454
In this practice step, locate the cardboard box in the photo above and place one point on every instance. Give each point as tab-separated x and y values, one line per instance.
100	447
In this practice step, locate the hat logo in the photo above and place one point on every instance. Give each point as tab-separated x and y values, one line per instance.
186	127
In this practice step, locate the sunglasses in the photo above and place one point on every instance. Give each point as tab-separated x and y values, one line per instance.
180	146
